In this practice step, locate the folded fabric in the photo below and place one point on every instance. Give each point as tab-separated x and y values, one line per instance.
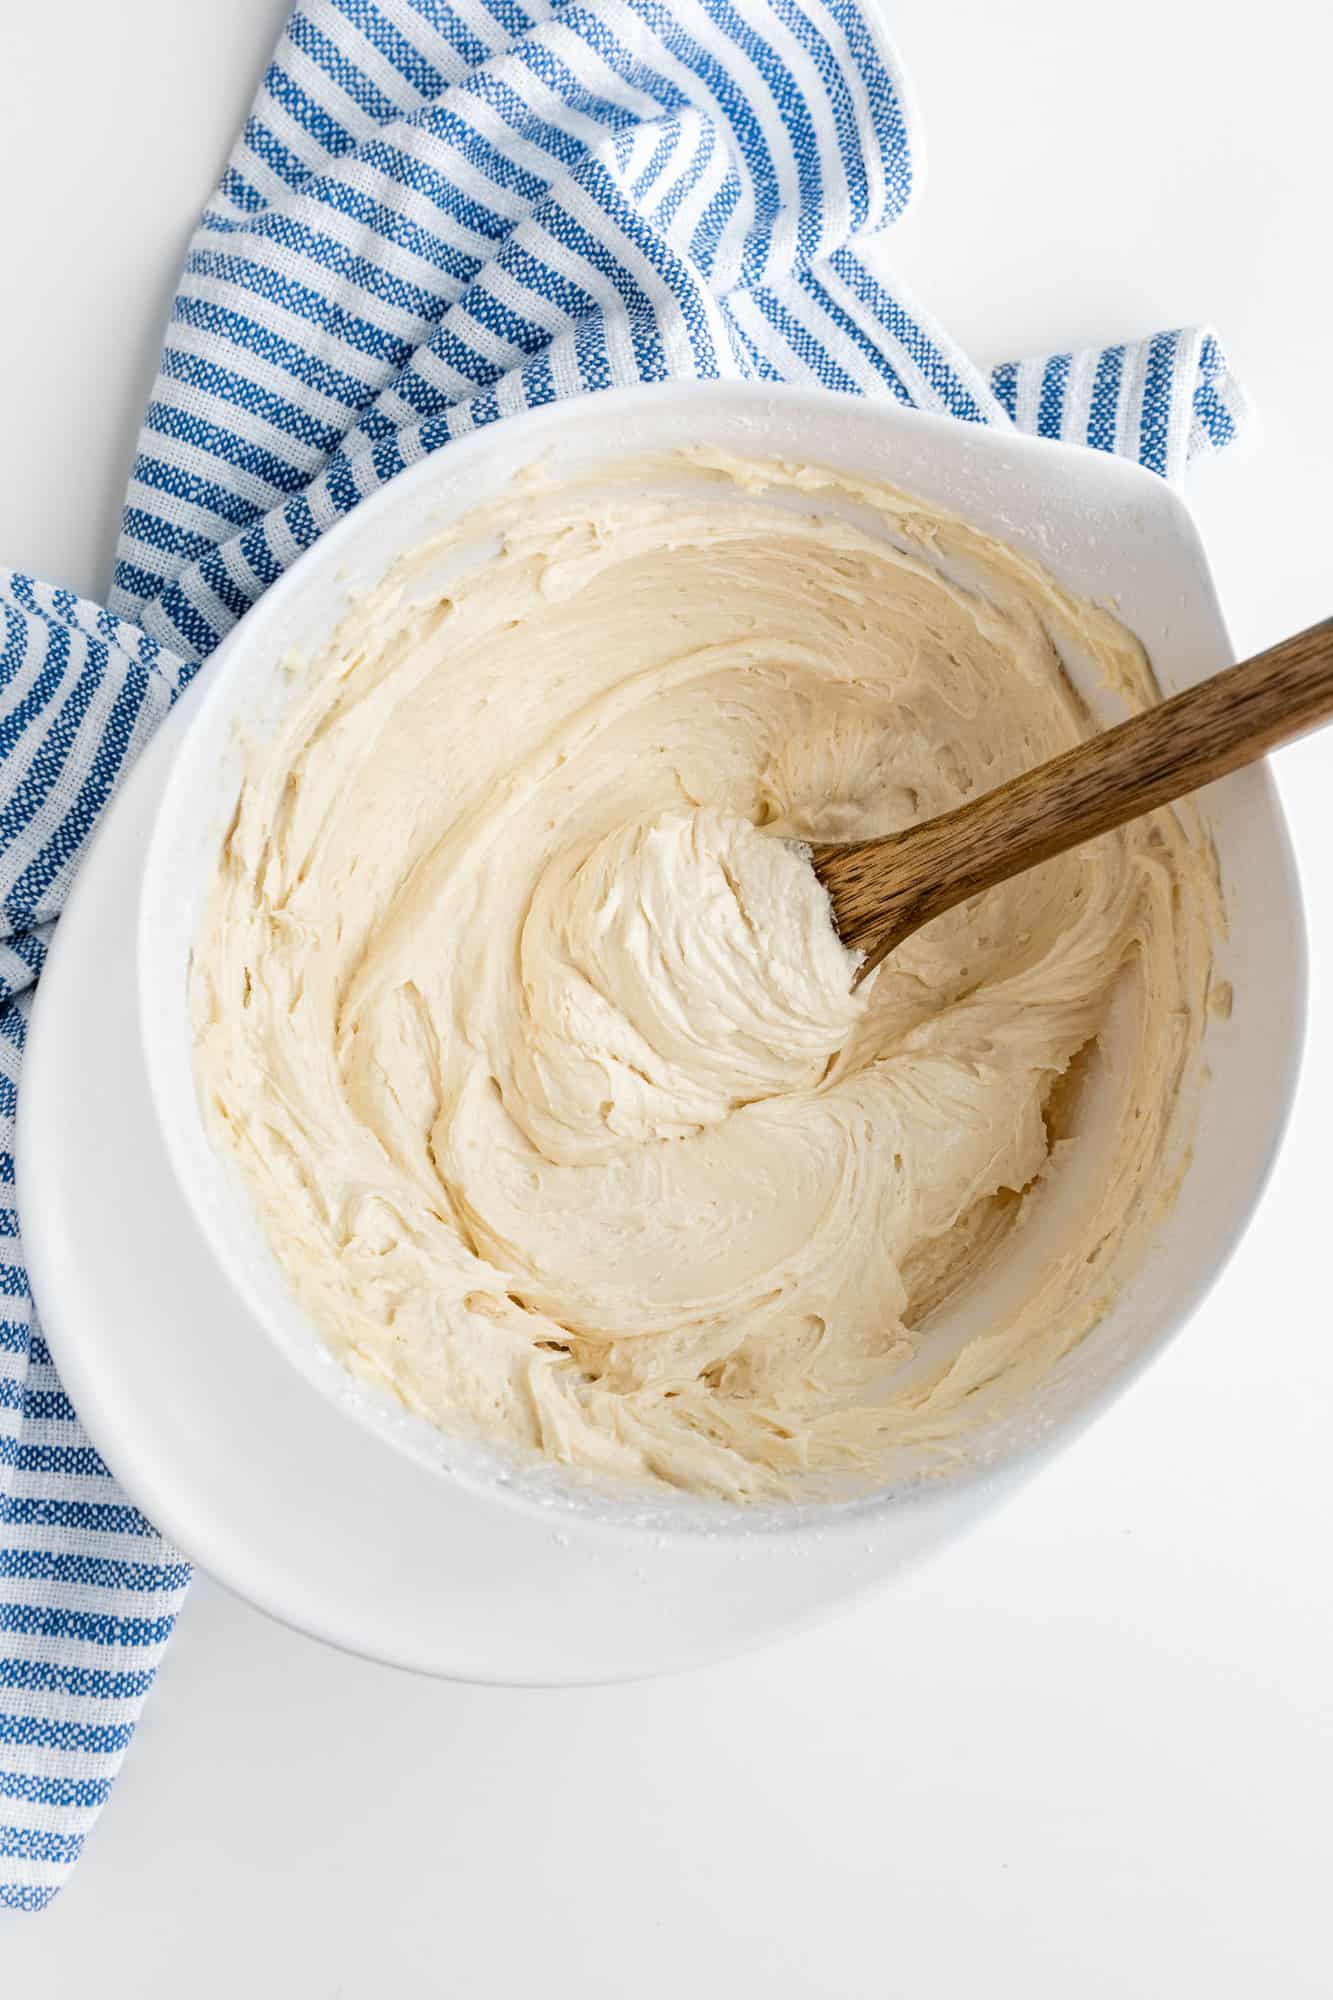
437	215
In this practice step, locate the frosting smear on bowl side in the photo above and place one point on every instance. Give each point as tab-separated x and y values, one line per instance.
522	1016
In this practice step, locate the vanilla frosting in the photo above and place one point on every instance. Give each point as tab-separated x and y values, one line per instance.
520	1010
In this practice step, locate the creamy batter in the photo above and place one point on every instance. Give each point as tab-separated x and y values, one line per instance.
522	1014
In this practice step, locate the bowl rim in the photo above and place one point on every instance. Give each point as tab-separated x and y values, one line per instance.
348	533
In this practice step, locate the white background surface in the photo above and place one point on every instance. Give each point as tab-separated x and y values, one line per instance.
1088	1752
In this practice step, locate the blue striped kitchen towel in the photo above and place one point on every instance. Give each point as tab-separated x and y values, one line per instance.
439	212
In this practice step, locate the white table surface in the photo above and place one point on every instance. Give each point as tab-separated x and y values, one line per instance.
1086	1753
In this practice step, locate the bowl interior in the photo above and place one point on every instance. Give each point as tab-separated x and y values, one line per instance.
1105	529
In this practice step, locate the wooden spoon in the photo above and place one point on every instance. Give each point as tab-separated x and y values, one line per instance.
883	890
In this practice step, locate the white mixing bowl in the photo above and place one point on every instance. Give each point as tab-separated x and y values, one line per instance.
200	1382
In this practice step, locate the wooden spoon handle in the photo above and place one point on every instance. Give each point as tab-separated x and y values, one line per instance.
883	890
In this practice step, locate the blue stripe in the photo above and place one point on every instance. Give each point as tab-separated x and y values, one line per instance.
712	224
239	191
15	650
1213	414
193	630
86	1627
78	1794
79	1682
104	1517
14	1338
592	359
1051	403
47	1406
1157	401
1103	409
60	1458
214	573
1005	387
166	536
135	581
26	1843
42	1732
539	382
95	1572
22	1896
